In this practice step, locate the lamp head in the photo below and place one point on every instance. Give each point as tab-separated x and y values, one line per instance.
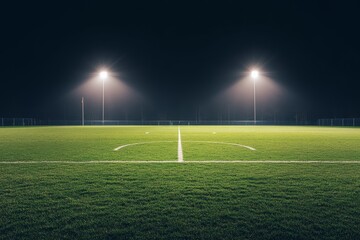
254	74
103	75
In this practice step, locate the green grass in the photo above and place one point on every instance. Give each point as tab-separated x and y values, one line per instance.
98	143
273	143
179	201
86	143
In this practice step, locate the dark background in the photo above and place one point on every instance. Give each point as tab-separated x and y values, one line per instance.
180	59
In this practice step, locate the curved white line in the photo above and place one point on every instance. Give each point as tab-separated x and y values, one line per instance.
226	143
140	143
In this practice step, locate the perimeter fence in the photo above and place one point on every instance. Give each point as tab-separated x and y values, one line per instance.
350	122
39	122
17	122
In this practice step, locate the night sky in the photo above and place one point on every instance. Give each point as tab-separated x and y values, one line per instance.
180	59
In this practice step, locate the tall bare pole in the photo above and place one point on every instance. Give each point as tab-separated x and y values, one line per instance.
254	75
103	102
103	75
82	112
254	101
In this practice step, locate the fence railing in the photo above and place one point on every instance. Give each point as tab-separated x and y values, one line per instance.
39	122
17	122
339	122
174	122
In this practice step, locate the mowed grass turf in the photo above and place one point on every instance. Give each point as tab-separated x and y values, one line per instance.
180	201
98	143
86	143
272	143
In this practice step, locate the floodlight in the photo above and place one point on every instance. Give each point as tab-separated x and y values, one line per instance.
103	75
254	74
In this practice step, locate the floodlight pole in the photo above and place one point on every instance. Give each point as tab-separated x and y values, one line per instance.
103	75
103	102
82	111
254	101
254	75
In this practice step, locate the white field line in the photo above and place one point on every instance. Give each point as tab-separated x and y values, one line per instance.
233	144
180	151
187	162
140	143
226	143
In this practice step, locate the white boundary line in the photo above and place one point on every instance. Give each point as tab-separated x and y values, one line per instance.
180	151
174	161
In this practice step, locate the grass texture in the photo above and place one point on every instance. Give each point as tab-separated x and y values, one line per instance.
98	143
179	200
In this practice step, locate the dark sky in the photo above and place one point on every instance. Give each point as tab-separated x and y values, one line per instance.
180	57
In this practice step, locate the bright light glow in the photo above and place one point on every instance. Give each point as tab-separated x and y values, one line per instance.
254	74
103	75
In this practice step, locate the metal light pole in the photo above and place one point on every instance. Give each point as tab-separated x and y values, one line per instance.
103	76
254	75
103	101
82	111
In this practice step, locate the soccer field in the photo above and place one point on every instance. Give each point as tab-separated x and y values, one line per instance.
229	143
235	182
